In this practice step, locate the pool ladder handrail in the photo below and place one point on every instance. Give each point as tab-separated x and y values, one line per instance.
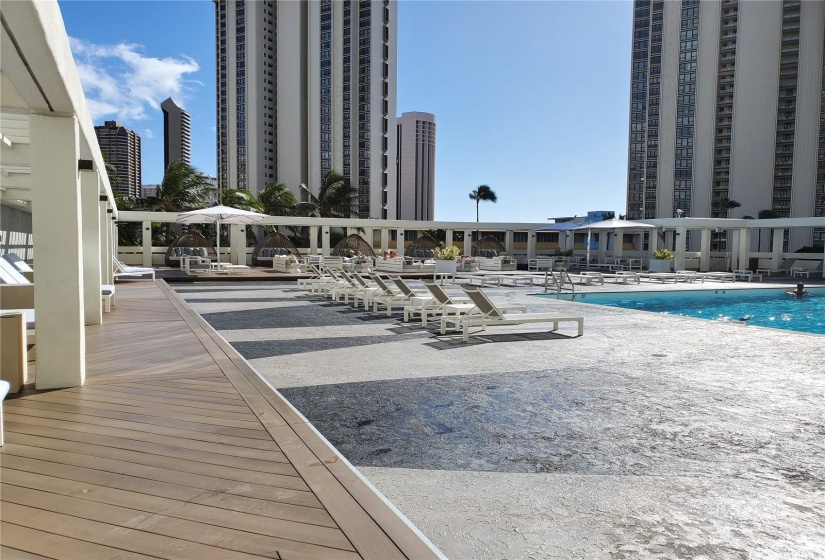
559	284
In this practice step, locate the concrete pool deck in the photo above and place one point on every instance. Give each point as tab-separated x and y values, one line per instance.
649	436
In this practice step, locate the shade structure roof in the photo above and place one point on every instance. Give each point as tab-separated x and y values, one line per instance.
224	214
614	224
561	226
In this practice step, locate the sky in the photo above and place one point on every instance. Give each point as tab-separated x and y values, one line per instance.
530	97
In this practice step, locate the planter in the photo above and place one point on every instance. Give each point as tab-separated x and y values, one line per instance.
445	266
659	265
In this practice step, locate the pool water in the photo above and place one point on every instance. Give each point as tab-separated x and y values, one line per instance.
765	308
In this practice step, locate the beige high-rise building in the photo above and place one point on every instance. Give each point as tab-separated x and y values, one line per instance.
416	166
177	133
121	147
727	103
305	87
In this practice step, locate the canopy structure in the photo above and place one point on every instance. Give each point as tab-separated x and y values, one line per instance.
278	243
191	238
610	225
218	215
354	243
422	247
488	246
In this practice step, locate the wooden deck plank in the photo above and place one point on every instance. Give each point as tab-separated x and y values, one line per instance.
274	464
225	530
177	448
169	441
125	538
58	547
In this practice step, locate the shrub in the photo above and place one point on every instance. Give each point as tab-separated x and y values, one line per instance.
663	255
446	253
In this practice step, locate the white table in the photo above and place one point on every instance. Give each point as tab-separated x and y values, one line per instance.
441	277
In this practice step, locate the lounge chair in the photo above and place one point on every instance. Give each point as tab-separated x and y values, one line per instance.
17	263
490	315
784	268
746	275
388	297
125	270
437	304
808	271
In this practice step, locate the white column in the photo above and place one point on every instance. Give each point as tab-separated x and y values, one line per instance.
235	243
58	294
618	243
112	229
106	248
531	245
368	237
313	240
733	249
399	242
448	239
468	242
704	250
508	241
385	240
325	241
778	236
90	237
146	230
744	248
679	253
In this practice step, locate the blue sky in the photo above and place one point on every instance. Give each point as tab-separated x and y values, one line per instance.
530	97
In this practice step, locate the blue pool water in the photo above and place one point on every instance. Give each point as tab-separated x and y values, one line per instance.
760	307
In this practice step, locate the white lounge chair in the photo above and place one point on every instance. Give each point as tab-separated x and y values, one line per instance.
490	315
451	308
784	268
746	275
17	263
125	270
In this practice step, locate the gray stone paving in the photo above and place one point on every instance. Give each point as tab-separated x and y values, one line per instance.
651	436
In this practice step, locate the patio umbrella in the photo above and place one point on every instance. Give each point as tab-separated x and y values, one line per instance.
218	215
610	225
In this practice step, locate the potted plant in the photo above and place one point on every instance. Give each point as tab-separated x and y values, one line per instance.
445	258
660	261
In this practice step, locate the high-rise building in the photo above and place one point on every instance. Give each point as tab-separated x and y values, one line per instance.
121	148
304	88
727	104
416	167
177	133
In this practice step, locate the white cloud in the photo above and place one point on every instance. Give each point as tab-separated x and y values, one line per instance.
147	133
122	83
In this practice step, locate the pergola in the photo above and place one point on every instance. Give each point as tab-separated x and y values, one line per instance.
52	167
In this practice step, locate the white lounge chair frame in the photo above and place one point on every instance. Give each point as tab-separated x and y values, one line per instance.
126	270
490	315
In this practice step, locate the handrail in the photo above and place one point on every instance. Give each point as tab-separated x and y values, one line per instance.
559	284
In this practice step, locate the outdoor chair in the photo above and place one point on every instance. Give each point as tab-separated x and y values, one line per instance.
490	315
125	270
388	297
784	268
435	305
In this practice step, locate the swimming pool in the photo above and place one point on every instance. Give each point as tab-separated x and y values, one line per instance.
765	307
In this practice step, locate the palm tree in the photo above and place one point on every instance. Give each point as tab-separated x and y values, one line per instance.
183	188
336	198
241	199
765	215
482	193
277	200
726	204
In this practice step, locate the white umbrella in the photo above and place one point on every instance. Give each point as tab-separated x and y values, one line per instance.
610	225
218	215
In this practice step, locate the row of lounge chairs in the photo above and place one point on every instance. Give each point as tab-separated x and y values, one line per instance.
474	311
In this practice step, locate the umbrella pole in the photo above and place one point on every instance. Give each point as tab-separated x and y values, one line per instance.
588	247
218	242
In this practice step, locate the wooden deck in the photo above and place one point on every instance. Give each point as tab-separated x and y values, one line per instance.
176	448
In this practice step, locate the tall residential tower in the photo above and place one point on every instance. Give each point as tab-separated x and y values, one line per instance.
727	103
416	167
177	133
121	148
305	87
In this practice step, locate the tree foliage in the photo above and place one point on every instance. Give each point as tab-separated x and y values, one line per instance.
482	194
336	198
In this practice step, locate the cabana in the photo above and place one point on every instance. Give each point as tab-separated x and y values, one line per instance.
273	245
488	246
354	243
189	244
422	247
